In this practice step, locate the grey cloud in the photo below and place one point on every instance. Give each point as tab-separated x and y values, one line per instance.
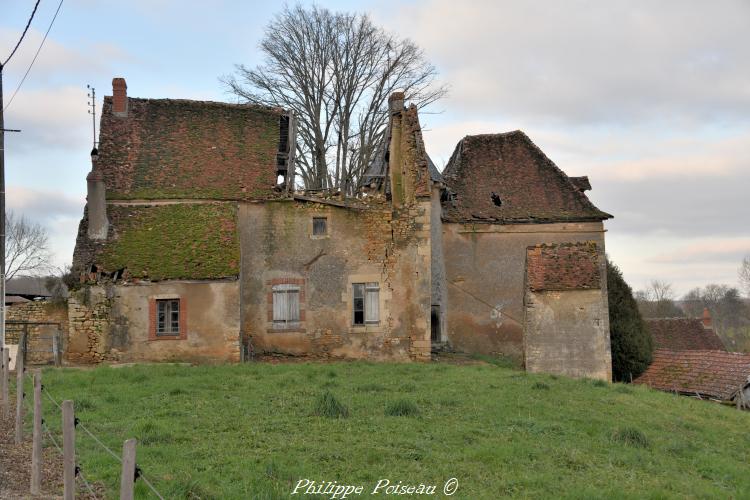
590	61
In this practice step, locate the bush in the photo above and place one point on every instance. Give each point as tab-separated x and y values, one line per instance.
632	345
402	408
328	406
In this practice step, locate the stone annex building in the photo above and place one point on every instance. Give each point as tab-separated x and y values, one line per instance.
191	249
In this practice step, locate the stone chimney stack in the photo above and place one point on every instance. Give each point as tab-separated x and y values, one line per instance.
96	201
396	102
119	97
707	323
395	169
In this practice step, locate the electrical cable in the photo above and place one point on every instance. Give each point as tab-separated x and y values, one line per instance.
22	34
35	56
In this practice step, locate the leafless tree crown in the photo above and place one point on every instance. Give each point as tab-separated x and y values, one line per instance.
26	247
335	71
744	273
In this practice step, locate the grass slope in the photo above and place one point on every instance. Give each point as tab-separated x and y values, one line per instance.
254	430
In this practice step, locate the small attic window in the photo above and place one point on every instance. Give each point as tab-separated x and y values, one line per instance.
496	199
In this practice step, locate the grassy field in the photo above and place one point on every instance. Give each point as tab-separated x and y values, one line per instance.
255	430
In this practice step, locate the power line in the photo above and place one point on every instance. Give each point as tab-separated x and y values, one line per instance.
22	34
35	56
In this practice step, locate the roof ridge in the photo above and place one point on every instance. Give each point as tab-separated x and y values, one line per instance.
207	103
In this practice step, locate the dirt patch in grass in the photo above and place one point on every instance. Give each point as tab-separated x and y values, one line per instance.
15	463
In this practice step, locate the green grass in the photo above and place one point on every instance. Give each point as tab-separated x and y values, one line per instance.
251	431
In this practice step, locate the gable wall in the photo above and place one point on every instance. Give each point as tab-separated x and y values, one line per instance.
485	269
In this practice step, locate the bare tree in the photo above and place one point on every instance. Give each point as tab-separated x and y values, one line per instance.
335	71
26	247
657	301
744	273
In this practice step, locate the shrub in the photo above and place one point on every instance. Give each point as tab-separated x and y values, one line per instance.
402	408
328	406
631	437
632	345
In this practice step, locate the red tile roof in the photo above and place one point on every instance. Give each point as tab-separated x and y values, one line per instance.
713	374
679	334
176	148
506	178
566	266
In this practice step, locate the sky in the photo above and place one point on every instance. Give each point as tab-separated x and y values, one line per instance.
651	100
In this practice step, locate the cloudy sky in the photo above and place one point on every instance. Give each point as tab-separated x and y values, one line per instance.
651	100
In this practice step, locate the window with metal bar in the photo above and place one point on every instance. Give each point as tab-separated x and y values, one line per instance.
320	226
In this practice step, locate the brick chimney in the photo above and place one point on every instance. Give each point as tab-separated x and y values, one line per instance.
119	97
706	318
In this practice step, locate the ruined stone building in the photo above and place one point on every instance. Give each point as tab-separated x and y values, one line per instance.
195	245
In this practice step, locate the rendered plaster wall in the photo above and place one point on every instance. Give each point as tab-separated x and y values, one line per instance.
485	268
370	244
568	334
439	291
113	323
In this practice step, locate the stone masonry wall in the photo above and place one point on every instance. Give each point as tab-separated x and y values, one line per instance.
89	316
38	335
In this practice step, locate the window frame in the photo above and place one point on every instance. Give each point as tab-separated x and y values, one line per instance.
169	326
368	287
154	332
292	320
324	219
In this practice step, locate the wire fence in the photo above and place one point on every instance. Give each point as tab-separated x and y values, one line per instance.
79	425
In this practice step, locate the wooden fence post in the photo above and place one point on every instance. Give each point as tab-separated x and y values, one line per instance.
127	480
19	394
6	381
69	450
36	450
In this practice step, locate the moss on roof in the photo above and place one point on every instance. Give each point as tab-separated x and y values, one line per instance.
168	148
181	241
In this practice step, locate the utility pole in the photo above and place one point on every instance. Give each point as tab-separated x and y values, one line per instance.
2	210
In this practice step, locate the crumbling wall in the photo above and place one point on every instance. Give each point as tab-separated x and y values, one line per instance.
89	320
567	318
369	243
38	336
485	280
113	323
